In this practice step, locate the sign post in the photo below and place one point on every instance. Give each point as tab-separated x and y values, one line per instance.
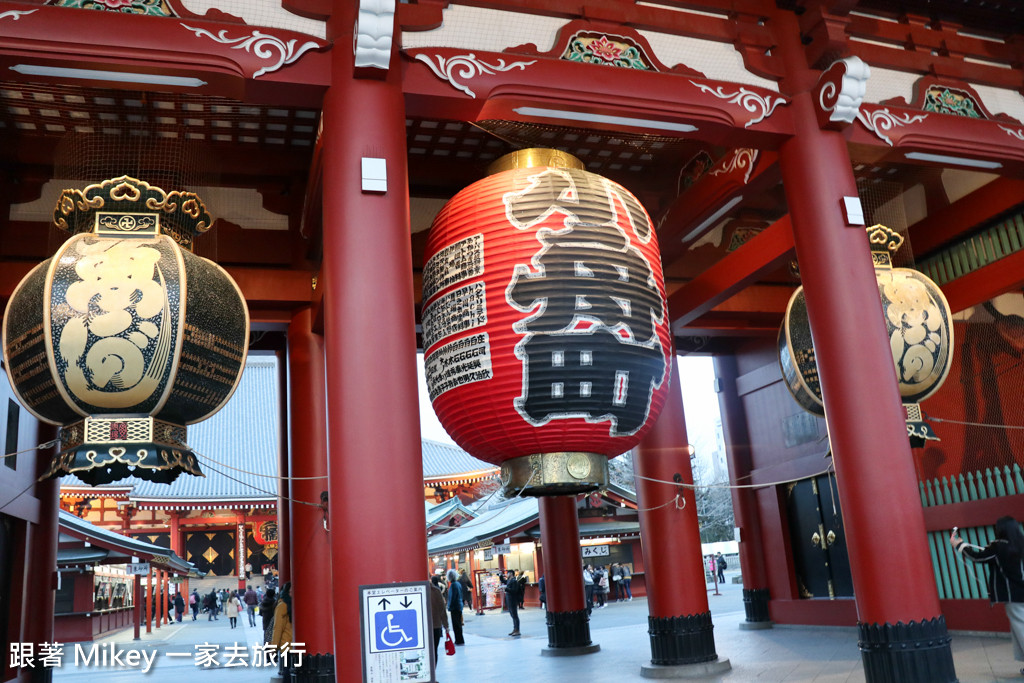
396	633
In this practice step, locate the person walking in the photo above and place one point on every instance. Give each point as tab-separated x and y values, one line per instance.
542	584
232	606
616	576
251	600
193	601
467	589
455	605
1004	558
513	592
179	606
722	565
438	611
210	603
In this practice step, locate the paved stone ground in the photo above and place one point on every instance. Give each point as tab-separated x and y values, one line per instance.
784	654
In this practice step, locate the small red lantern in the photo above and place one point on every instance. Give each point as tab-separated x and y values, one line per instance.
545	329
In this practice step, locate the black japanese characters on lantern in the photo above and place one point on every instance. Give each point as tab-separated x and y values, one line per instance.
571	349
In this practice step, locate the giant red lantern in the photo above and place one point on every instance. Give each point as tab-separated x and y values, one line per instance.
545	329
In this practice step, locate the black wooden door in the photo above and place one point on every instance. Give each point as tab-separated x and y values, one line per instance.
212	552
820	558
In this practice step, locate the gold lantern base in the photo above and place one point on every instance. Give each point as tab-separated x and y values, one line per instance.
105	448
554	474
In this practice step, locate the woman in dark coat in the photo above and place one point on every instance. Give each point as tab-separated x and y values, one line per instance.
267	612
179	606
1004	558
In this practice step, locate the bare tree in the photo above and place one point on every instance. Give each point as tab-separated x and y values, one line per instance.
714	504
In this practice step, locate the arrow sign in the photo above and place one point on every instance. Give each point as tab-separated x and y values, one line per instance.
406	602
383	602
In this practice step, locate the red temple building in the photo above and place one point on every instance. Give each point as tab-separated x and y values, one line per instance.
761	137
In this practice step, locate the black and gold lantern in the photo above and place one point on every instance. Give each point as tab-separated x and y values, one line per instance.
920	327
124	336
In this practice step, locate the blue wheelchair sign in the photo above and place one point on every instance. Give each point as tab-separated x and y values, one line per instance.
397	630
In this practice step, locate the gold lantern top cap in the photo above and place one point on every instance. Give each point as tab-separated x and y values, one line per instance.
884	239
533	157
128	207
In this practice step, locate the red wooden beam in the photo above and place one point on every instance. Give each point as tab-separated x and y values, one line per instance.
985	283
258	285
979	206
197	48
762	254
741	173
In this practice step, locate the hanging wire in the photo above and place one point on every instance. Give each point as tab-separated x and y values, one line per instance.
970	424
254	474
269	493
40	447
18	495
677	499
766	484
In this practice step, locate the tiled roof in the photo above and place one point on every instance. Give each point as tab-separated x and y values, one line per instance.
602	528
444	461
435	513
241	442
113	544
490	524
234	447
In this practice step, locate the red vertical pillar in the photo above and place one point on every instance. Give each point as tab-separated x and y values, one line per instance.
312	615
165	575
159	599
680	626
149	600
283	559
175	533
568	622
137	607
41	581
744	500
874	468
370	339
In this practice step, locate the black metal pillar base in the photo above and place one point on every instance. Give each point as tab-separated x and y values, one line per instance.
682	640
694	671
755	601
314	669
569	634
918	652
41	674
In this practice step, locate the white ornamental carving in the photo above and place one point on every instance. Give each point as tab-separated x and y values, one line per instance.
466	66
748	99
742	157
1019	133
15	14
882	119
846	96
263	45
375	29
